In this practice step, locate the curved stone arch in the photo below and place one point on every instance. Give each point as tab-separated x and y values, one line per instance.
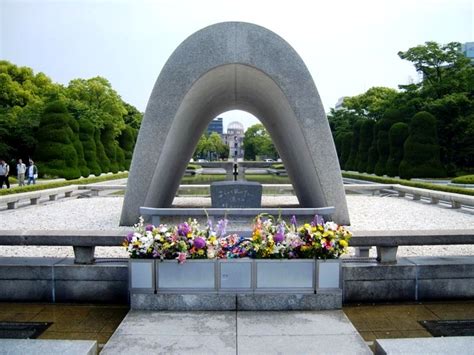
234	65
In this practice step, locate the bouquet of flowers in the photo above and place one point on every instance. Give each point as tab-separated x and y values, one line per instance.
277	239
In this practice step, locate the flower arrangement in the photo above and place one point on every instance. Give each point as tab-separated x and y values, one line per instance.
318	239
270	238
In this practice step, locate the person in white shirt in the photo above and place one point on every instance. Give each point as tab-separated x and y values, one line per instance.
20	171
4	172
32	173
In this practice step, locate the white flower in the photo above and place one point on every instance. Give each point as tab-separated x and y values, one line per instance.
330	226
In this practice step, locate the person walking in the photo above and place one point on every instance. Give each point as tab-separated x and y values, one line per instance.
32	173
4	172
20	171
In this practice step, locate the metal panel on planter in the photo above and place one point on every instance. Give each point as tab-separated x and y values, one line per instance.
285	275
193	275
141	275
235	275
328	274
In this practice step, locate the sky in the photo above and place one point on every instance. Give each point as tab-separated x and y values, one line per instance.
348	46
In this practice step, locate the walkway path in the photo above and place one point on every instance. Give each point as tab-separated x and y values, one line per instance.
324	332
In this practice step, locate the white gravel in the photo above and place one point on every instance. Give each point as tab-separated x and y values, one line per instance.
366	212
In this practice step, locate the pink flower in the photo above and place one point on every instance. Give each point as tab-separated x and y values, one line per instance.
181	258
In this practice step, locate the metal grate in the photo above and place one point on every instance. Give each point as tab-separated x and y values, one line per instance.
449	328
17	330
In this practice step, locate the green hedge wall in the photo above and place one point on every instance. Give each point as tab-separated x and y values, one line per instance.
397	135
421	155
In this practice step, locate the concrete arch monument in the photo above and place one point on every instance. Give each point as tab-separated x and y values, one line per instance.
234	65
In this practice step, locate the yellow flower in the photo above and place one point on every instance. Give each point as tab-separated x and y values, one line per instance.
343	243
201	251
307	226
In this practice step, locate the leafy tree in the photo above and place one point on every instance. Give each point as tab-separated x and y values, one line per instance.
421	150
398	133
257	141
365	142
371	104
56	154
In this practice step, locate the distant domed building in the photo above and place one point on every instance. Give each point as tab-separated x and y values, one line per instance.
234	138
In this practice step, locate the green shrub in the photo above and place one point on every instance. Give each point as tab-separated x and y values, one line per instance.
81	162
422	185
102	158
346	149
383	146
353	160
86	135
50	185
466	179
127	143
193	167
397	135
365	142
421	157
55	153
373	154
109	143
278	166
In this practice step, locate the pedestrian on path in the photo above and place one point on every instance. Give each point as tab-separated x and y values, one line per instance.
4	172
20	171
32	173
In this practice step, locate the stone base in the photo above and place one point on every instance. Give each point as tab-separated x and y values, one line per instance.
441	345
48	346
241	302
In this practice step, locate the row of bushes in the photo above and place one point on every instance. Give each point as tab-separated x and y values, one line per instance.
386	147
71	148
466	179
419	184
61	183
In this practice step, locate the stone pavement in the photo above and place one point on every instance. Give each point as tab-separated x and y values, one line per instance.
308	332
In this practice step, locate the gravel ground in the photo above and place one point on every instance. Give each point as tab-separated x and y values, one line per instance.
367	213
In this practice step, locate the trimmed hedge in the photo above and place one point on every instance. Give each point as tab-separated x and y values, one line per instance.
56	154
422	185
421	154
373	154
466	179
353	160
50	185
397	135
86	135
193	167
383	147
346	149
365	142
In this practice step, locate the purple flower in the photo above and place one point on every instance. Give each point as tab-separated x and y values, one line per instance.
199	243
129	237
209	224
221	227
280	234
293	220
149	228
183	229
278	237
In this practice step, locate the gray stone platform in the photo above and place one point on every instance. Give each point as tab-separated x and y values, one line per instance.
308	332
415	346
242	302
47	346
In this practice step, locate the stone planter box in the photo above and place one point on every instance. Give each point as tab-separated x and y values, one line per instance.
294	276
141	275
190	277
328	274
242	276
235	275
